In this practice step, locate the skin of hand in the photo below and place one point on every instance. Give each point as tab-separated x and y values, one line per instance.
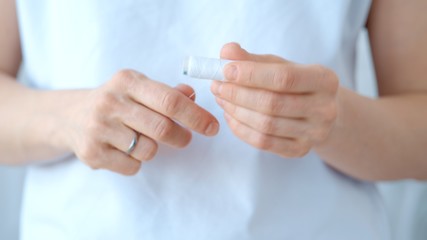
97	125
100	127
277	105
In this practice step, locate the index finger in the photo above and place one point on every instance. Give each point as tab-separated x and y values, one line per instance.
172	103
279	77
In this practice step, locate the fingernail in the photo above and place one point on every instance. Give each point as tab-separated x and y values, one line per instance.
230	72
212	129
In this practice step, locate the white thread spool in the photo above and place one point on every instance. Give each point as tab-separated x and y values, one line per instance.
204	68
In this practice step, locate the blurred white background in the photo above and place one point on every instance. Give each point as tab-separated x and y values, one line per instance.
404	199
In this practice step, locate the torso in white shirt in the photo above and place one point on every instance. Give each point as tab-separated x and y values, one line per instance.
216	188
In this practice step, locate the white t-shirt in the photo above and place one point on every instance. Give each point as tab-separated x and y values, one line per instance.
216	188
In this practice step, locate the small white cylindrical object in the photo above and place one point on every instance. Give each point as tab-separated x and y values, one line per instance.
204	68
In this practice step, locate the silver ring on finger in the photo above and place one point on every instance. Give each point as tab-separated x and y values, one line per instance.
132	144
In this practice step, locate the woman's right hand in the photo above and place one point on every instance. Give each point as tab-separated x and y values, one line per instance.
102	125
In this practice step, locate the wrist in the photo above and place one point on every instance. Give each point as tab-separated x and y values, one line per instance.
49	128
327	148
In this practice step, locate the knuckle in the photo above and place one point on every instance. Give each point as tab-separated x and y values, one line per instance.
151	152
251	68
284	78
96	126
298	150
302	131
105	103
272	102
327	114
170	103
273	57
332	113
319	69
267	124
319	135
302	151
95	164
321	72
163	128
278	105
125	78
199	121
327	76
315	134
232	109
132	169
332	79
263	142
185	141
89	154
323	114
232	93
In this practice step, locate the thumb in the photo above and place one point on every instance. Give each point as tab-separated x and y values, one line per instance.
234	51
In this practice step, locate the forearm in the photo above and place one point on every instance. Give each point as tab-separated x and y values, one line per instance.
382	139
29	122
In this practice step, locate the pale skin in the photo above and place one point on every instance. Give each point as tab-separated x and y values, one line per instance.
271	103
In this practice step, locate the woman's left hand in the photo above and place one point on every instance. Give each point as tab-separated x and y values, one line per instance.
276	105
